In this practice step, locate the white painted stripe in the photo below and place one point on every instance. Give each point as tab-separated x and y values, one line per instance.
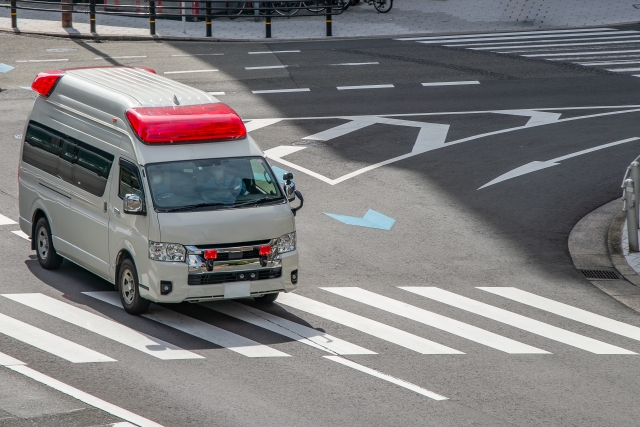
6	220
586	58
363	324
604	52
550	45
514	33
22	234
282	150
123	424
256	124
358	63
581	39
102	326
49	342
200	54
43	60
623	70
471	82
397	381
120	57
565	310
6	360
517	321
365	87
83	397
275	51
216	93
282	90
189	71
197	328
287	328
437	321
608	63
270	67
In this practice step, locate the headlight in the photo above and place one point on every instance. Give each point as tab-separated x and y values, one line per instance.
166	251
286	243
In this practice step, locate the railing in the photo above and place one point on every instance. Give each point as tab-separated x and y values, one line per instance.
157	9
630	197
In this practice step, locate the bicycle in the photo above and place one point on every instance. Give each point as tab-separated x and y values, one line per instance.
382	6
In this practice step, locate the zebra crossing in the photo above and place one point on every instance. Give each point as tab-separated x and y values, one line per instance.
610	49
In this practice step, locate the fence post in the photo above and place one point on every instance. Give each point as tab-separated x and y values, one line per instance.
92	15
268	20
14	15
67	17
632	215
207	18
635	176
152	17
329	20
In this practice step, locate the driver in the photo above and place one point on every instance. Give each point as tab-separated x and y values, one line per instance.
158	186
222	179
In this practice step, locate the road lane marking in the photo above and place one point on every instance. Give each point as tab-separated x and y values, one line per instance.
516	320
514	33
275	51
363	324
199	54
5	68
582	38
282	90
6	220
43	60
216	93
269	67
120	57
470	82
623	70
537	165
588	58
365	87
197	328
256	124
287	328
371	219
565	310
358	63
608	63
437	321
189	71
389	378
103	326
22	234
603	52
6	360
49	342
549	45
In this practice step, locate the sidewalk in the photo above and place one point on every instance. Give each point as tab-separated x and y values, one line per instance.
407	17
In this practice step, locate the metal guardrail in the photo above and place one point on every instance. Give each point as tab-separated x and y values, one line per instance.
157	9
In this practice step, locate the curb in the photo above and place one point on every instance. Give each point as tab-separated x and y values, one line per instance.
595	244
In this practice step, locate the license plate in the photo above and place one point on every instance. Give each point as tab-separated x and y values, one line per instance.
237	290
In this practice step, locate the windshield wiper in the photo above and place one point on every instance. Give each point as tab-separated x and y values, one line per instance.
256	202
191	207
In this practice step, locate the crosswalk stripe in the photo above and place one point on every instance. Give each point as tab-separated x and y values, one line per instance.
6	360
549	45
49	342
366	325
437	321
287	328
568	311
581	39
529	37
607	63
517	320
397	381
197	328
102	326
6	221
602	52
623	70
515	33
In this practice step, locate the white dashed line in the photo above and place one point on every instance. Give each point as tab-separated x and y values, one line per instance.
200	54
472	82
22	234
275	51
365	87
120	57
42	60
283	90
189	71
266	68
358	63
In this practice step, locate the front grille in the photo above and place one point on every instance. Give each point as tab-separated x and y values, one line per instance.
226	256
218	278
600	274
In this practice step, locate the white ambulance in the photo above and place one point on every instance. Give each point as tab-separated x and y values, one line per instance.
154	186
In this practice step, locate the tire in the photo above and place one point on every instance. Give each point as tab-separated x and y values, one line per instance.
383	6
129	290
266	299
47	255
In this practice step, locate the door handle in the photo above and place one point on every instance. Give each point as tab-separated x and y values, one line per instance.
104	206
117	211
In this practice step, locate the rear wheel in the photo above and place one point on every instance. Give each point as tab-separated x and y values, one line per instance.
47	255
266	299
383	6
130	297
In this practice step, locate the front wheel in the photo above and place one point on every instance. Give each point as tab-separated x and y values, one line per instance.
266	299
129	290
383	6
47	255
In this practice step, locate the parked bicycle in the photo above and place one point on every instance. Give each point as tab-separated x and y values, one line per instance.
382	6
285	8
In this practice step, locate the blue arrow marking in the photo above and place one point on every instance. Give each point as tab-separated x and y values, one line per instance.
371	219
279	172
5	68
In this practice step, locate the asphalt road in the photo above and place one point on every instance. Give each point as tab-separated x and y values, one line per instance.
448	234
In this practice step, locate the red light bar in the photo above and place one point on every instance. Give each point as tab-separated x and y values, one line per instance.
264	250
210	254
184	124
45	82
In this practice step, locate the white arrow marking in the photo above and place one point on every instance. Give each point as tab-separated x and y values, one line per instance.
536	166
537	117
256	124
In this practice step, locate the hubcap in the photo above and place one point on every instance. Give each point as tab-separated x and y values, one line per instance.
43	244
128	287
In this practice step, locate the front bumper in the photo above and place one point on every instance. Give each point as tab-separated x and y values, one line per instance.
178	274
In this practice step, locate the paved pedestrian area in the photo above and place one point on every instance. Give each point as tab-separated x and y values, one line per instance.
406	17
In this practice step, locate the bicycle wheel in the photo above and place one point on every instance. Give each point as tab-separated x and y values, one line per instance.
235	9
383	6
287	8
315	6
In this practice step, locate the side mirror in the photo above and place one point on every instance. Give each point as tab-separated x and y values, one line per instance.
289	186
299	195
133	204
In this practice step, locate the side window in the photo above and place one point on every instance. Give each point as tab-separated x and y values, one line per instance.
41	148
130	182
